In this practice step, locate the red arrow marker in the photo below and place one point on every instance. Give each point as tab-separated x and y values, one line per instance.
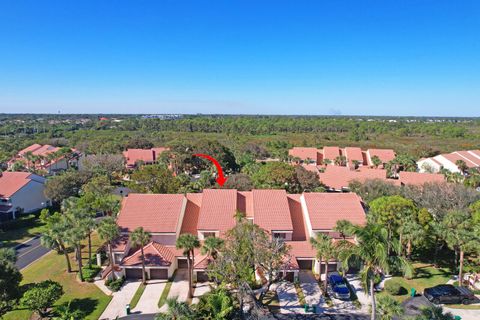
221	178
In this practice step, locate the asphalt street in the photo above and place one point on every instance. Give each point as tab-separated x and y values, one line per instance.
29	251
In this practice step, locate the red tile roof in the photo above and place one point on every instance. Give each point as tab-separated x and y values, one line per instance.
31	148
44	150
337	177
11	182
385	155
476	153
271	210
416	178
301	249
245	203
135	155
325	209
453	157
156	255
470	157
331	153
354	153
304	153
202	261
192	212
298	222
156	213
120	244
218	209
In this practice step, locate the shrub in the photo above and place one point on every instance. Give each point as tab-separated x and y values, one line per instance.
90	273
394	288
115	285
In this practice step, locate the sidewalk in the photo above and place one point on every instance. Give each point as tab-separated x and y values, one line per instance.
116	307
287	297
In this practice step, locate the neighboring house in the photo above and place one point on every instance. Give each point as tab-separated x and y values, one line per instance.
419	179
43	157
133	157
448	161
21	192
210	214
354	156
337	178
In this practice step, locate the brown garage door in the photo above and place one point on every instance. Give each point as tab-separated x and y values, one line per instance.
331	267
133	273
182	264
305	264
158	273
289	276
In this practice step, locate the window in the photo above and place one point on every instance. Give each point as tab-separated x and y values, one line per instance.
209	234
278	235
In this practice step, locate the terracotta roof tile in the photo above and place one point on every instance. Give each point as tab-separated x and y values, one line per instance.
301	249
271	210
31	148
454	157
354	153
11	182
218	209
385	155
156	255
470	157
245	203
298	223
416	178
331	153
192	211
337	177
304	153
325	209
156	213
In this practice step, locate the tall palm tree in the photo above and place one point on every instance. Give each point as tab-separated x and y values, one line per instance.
176	311
74	236
188	242
55	235
462	166
109	231
140	237
371	249
389	308
344	227
325	249
211	245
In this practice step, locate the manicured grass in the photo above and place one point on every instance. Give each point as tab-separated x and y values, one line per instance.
425	276
166	290
137	296
300	294
28	227
85	296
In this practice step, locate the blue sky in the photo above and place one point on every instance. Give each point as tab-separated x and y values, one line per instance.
255	57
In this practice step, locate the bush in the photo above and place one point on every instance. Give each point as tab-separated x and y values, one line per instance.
115	285
394	288
90	273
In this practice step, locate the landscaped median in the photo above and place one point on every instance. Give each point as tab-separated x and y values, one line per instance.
85	296
137	296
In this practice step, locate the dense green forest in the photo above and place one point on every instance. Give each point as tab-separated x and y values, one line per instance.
95	134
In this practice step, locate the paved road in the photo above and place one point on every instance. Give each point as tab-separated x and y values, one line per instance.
29	251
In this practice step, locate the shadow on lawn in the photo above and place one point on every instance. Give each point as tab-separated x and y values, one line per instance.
85	305
426	272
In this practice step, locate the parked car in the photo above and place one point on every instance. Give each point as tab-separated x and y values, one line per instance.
338	286
448	294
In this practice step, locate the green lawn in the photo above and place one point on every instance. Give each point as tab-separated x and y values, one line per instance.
166	290
86	296
28	227
425	276
137	296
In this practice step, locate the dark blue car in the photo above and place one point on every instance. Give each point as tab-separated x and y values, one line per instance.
338	286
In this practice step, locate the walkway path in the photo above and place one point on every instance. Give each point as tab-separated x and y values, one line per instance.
179	288
120	299
287	297
148	302
200	289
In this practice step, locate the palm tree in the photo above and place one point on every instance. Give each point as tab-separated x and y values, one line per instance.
340	161
109	231
371	249
188	242
66	312
462	166
388	308
411	231
176	311
55	235
141	237
325	251
211	245
344	227
74	237
434	313
355	164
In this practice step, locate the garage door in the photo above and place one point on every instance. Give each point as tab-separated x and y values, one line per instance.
133	273
202	276
289	276
331	267
305	264
158	273
182	264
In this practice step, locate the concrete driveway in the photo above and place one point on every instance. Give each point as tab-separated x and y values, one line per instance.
287	297
413	306
179	288
148	302
121	298
200	289
310	287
